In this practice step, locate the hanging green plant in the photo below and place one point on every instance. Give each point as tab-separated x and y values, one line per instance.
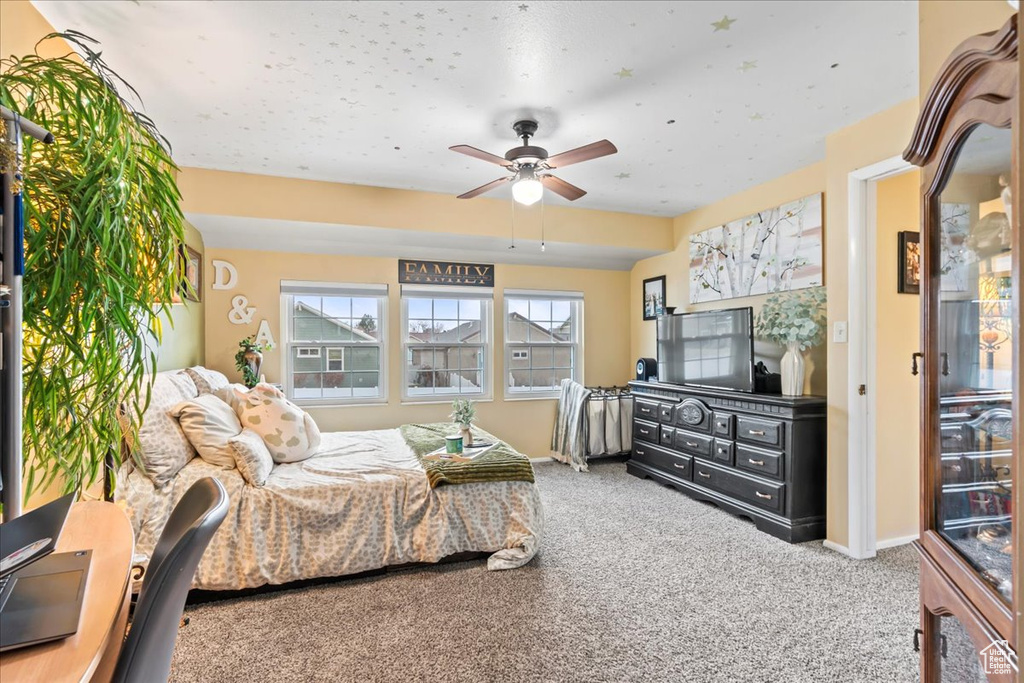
102	230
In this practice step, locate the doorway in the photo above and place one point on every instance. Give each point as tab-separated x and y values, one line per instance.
884	397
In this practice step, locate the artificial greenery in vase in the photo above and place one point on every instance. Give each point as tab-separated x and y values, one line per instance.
463	414
103	229
796	320
249	360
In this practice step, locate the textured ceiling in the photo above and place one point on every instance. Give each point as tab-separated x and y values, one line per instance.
702	99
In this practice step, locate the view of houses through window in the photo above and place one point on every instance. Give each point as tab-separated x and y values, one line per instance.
335	347
542	341
446	345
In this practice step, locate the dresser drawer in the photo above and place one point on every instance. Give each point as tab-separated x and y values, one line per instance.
648	431
677	465
645	409
694	444
763	494
722	424
665	411
954	438
667	434
759	430
758	460
721	451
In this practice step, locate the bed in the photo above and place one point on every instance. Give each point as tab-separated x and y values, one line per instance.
361	502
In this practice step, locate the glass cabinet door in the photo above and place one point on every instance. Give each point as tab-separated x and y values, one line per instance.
975	363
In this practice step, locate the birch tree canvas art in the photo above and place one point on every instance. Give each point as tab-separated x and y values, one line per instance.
776	250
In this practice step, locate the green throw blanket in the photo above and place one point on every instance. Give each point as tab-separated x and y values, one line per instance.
501	463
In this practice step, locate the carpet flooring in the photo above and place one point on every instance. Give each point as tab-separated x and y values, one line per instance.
634	582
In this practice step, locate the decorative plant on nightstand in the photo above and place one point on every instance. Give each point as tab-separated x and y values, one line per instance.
249	360
103	228
797	321
463	414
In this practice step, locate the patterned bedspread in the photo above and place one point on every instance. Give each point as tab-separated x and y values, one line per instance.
361	503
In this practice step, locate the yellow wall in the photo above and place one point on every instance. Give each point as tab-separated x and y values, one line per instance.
526	424
897	333
21	27
675	265
257	196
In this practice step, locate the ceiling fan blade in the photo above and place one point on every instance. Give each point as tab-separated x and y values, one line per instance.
584	153
479	154
560	187
483	188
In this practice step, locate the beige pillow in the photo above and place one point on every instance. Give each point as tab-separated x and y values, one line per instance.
207	381
252	457
230	393
289	432
209	422
162	449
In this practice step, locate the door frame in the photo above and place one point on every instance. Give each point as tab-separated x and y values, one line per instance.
862	219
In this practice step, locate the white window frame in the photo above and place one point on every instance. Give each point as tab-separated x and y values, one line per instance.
576	307
486	298
292	288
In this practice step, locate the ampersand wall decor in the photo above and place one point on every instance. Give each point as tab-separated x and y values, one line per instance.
241	313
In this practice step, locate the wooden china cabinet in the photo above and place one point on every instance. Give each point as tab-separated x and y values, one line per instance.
968	143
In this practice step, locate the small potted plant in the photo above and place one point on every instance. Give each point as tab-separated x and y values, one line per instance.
463	414
797	321
249	360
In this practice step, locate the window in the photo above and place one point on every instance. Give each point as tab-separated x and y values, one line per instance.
334	342
542	341
447	342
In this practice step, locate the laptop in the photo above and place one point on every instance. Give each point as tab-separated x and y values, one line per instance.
41	592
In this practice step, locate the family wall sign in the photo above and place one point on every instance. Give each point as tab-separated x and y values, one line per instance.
445	273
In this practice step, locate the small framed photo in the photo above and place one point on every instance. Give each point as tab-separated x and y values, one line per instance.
191	274
909	281
654	297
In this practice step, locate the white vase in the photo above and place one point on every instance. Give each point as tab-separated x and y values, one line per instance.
792	368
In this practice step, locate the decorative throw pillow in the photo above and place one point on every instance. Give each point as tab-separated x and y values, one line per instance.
252	457
209	423
162	449
289	432
230	393
207	381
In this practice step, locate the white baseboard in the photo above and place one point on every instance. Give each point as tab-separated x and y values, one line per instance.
893	542
841	549
546	458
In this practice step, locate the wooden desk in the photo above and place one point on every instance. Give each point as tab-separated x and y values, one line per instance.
90	654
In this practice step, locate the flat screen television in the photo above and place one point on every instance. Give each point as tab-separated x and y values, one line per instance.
712	349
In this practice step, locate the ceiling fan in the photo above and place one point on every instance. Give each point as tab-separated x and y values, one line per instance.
529	166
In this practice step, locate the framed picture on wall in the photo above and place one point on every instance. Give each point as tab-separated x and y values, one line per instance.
909	280
654	297
191	264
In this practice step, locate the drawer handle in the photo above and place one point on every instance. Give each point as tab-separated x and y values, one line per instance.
956	437
722	451
704	474
722	424
956	468
759	463
756	432
677	465
691	444
762	495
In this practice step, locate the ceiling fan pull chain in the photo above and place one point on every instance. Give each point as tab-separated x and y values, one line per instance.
513	245
542	223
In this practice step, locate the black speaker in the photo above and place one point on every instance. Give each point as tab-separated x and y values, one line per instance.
646	369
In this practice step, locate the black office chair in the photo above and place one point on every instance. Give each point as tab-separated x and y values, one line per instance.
147	651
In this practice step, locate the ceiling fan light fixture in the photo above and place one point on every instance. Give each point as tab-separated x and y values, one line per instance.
527	190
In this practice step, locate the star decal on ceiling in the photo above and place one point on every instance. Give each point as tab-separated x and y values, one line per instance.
747	66
622	176
523	8
723	24
624	73
756	117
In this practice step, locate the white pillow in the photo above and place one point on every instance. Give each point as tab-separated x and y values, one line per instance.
207	381
289	432
229	394
162	448
209	422
252	457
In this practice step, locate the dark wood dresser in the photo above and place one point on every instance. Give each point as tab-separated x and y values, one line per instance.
757	455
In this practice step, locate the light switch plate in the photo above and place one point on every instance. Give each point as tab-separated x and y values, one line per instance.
839	332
